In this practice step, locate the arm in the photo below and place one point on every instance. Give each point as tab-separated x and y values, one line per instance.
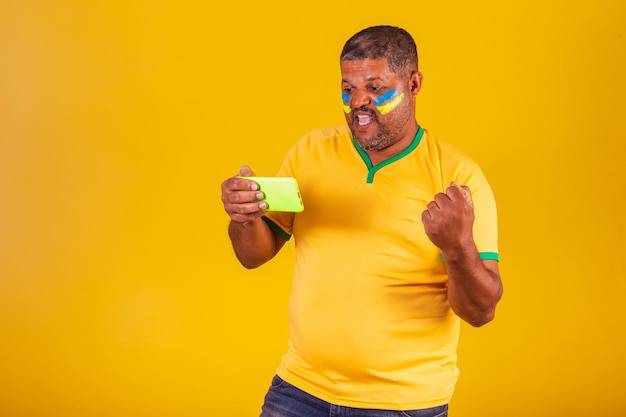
474	286
253	240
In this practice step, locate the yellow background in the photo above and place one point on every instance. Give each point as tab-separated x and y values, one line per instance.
119	293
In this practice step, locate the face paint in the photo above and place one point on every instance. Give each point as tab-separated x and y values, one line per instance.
379	102
386	97
389	95
346	101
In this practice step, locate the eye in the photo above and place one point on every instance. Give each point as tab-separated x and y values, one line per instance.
348	90
376	88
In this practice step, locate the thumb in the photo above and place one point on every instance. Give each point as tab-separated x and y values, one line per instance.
245	171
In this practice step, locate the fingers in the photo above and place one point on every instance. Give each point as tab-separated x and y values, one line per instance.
240	184
245	171
445	201
242	213
244	206
241	197
434	205
468	194
456	191
449	217
426	217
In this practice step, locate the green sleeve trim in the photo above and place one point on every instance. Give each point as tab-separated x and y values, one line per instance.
484	256
280	232
489	256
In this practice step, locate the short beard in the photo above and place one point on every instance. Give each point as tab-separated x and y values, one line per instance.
378	142
385	138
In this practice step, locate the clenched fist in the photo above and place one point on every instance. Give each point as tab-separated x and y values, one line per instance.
449	218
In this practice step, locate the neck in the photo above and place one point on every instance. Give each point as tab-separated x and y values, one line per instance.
395	148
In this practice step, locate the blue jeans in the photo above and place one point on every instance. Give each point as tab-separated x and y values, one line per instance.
285	400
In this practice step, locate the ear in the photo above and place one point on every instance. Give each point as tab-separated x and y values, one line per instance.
415	83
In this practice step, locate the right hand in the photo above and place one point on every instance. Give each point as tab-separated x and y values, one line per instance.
241	197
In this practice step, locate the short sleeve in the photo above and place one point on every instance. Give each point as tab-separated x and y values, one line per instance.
464	171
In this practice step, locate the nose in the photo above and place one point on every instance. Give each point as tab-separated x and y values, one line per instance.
359	99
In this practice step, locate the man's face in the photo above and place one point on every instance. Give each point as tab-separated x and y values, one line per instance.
378	103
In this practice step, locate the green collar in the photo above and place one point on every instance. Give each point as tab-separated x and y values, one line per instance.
371	169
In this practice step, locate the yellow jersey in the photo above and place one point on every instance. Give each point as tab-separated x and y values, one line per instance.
369	321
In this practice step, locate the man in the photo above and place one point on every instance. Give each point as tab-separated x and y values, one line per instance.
396	244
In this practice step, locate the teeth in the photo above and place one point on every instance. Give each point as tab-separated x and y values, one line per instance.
363	119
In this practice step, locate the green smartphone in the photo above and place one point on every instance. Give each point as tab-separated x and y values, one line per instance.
281	193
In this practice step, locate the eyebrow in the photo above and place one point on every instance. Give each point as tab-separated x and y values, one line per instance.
373	78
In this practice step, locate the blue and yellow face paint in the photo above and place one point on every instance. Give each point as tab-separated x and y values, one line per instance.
388	101
346	102
385	103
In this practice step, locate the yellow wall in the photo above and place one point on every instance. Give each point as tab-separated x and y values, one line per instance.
119	293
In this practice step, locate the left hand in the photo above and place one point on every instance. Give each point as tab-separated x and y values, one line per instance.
449	218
